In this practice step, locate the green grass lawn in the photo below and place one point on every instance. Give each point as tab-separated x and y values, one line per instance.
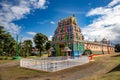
10	58
111	70
113	74
5	61
44	55
110	76
16	73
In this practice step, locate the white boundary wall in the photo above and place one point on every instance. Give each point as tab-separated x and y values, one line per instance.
52	64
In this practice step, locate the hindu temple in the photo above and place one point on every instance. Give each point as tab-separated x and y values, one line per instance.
69	39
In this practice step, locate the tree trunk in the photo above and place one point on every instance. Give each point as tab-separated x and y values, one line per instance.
40	53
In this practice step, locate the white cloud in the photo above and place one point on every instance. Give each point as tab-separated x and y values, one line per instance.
31	33
70	12
46	21
50	38
28	38
52	22
41	4
106	25
99	11
114	2
15	10
43	22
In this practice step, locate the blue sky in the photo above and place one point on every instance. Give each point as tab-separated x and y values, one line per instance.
28	17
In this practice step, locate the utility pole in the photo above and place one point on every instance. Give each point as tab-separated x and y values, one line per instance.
17	45
20	48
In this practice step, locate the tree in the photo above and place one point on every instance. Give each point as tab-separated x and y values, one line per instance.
48	45
27	46
2	32
117	48
7	43
40	41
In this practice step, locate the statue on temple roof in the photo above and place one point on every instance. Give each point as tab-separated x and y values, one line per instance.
105	41
73	15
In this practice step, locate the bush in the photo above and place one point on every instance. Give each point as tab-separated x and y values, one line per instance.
6	58
1	58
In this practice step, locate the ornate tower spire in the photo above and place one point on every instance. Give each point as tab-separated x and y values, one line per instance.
68	33
68	30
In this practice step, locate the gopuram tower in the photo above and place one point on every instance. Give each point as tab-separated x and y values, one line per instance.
68	34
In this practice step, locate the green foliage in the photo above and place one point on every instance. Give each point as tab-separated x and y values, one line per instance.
40	41
7	43
25	48
48	45
2	31
117	48
28	47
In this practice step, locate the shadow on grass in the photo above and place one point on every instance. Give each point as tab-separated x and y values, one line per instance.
0	77
116	55
117	68
23	78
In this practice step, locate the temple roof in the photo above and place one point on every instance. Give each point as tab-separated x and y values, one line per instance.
67	49
51	49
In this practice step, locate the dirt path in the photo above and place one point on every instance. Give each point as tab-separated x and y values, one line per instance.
10	64
101	66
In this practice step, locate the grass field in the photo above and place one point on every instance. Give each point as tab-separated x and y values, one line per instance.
10	58
111	70
103	68
114	73
5	61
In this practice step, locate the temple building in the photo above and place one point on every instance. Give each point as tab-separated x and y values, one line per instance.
68	36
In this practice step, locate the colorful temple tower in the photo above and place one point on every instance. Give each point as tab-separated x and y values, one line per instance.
69	41
68	34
